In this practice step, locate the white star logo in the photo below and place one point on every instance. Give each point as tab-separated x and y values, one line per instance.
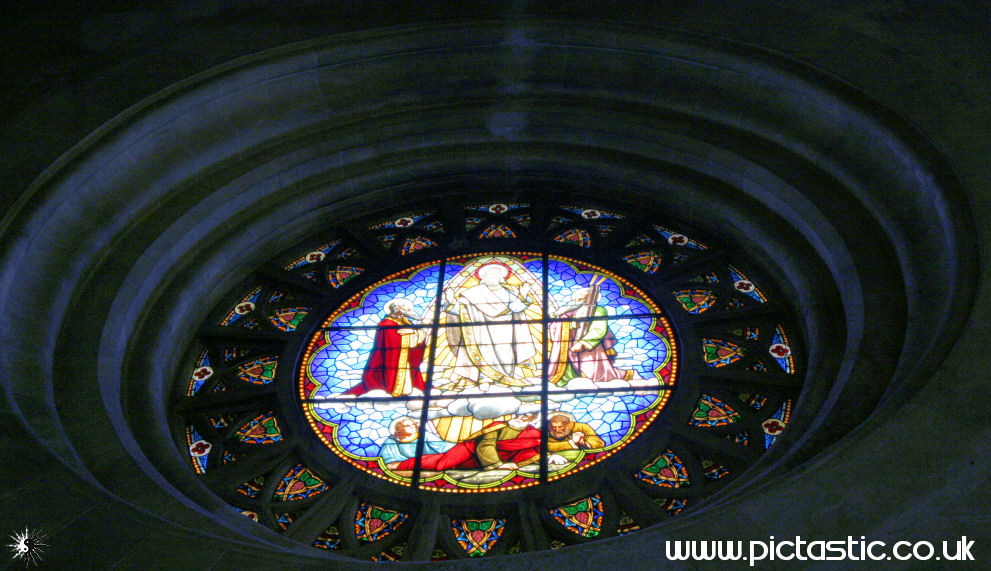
28	546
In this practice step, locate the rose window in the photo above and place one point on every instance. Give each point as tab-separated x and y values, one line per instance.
588	371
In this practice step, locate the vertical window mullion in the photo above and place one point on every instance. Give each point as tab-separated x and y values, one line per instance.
428	382
544	390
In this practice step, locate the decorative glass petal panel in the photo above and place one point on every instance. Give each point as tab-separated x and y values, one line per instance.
522	219
626	524
583	517
742	438
756	401
748	333
221	422
671	505
497	231
199	449
416	243
478	536
647	261
781	350
284	520
666	471
713	470
259	371
695	301
775	425
201	373
401	222
386	240
317	255
711	411
242	308
263	429
298	484
329	539
679	240
252	515
640	240
339	275
497	208
372	522
719	353
288	318
251	488
395	553
593	213
235	353
744	285
575	236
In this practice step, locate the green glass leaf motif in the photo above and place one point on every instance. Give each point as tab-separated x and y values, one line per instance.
718	353
383	515
576	508
657	466
711	353
703	410
270	426
475	525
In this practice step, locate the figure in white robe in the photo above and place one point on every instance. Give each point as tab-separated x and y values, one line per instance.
491	335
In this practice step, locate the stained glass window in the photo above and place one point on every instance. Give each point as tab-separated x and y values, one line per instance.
711	411
242	308
585	371
583	518
372	522
498	231
575	236
299	483
329	539
263	429
198	448
258	371
477	536
667	470
448	375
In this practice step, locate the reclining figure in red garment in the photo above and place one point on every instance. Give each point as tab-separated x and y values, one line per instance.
504	445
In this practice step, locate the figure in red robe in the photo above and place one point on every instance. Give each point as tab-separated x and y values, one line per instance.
502	445
394	363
